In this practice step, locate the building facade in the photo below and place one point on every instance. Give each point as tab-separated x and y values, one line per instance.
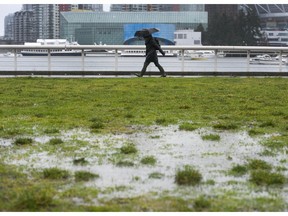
24	30
46	20
187	37
9	27
118	28
156	7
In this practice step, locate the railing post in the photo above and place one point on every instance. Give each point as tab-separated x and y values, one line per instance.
116	59
82	61
280	61
182	61
215	60
248	61
49	61
15	60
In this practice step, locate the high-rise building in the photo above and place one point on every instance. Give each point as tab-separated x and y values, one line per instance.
42	20
9	27
87	7
46	21
27	7
65	7
23	27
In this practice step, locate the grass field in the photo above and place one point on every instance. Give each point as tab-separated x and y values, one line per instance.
56	133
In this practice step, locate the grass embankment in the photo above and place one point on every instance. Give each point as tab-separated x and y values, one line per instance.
115	104
47	106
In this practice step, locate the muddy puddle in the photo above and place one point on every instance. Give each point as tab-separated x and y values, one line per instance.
171	147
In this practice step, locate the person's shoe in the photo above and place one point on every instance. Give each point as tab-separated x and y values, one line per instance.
137	74
163	75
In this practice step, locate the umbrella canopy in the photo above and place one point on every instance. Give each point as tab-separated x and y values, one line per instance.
145	32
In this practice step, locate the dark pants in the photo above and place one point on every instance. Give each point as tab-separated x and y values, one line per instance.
156	64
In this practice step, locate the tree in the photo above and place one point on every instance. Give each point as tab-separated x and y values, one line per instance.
201	29
244	29
252	34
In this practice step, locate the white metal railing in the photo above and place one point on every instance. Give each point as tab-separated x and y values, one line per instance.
237	59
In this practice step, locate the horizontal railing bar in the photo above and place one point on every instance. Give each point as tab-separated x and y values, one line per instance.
123	47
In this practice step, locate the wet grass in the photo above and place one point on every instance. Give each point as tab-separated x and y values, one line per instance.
23	141
80	161
55	174
149	160
30	106
85	176
125	163
211	137
55	141
260	172
188	176
39	194
238	170
256	164
188	126
267	178
156	175
128	148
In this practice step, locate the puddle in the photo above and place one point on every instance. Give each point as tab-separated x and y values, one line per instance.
172	148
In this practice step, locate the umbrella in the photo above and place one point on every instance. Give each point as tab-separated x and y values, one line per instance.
145	32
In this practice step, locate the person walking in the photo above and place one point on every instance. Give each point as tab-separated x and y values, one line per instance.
151	55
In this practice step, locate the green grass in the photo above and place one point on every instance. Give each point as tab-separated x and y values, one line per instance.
256	164
188	176
238	170
55	174
128	148
80	161
102	104
23	141
188	126
55	141
125	163
148	160
85	176
267	178
38	106
260	173
156	175
211	137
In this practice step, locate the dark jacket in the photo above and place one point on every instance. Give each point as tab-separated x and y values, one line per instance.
151	49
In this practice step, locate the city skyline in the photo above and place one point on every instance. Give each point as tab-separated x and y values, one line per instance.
7	9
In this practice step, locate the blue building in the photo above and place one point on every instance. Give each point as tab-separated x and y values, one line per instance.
117	28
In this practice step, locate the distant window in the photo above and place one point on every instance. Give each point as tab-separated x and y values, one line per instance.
270	34
272	39
185	36
180	36
197	42
283	34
